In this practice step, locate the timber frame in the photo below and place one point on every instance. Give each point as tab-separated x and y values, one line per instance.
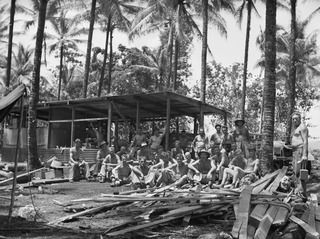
133	108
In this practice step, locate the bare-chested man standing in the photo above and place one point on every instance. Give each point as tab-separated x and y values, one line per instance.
299	143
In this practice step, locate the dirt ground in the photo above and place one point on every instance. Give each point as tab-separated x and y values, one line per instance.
95	226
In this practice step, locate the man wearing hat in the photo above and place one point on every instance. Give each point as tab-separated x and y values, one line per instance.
101	154
203	168
241	136
200	142
77	161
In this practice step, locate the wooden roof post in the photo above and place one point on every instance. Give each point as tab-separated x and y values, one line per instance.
116	134
225	118
168	114
138	115
195	126
49	128
109	122
201	116
72	125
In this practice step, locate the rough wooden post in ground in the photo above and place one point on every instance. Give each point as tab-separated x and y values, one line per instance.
109	122
168	114
72	125
138	115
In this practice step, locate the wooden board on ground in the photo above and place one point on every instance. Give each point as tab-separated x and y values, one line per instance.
281	217
240	226
265	224
275	184
305	226
20	176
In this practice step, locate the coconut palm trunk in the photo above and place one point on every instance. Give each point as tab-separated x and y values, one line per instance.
245	62
105	56
34	93
60	71
110	61
170	52
89	45
269	91
204	52
175	65
9	57
291	81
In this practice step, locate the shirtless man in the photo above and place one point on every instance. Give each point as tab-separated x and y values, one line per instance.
101	154
76	160
299	144
203	168
139	138
226	139
200	142
156	139
216	138
110	162
124	173
237	172
241	136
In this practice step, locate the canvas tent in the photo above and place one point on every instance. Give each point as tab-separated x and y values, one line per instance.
8	101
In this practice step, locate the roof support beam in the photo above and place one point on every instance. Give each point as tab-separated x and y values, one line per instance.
168	114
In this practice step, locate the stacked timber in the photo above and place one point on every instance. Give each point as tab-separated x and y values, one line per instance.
256	211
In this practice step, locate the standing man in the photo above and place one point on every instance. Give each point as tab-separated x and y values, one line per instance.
200	142
241	136
101	154
299	143
76	161
226	139
217	137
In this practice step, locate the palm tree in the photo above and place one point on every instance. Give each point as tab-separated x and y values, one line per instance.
269	90
34	93
89	44
291	80
204	53
31	11
65	36
9	57
154	63
249	5
114	14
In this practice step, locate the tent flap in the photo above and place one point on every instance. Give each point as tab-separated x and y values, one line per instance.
8	101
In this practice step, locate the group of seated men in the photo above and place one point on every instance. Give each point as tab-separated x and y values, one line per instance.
218	162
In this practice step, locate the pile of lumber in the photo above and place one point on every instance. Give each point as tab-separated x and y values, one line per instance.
255	211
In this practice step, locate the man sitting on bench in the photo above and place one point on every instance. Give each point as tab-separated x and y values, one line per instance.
76	161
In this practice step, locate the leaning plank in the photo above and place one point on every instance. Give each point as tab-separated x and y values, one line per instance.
266	178
138	227
21	175
86	212
265	224
305	226
275	184
240	226
281	217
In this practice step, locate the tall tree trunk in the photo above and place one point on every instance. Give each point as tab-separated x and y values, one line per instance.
269	91
9	57
89	44
60	71
34	93
170	52
175	65
291	81
110	60
245	63
44	50
204	50
104	57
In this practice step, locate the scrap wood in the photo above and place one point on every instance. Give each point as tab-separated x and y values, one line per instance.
86	212
305	226
266	222
263	182
239	229
282	216
49	181
275	184
21	175
145	225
